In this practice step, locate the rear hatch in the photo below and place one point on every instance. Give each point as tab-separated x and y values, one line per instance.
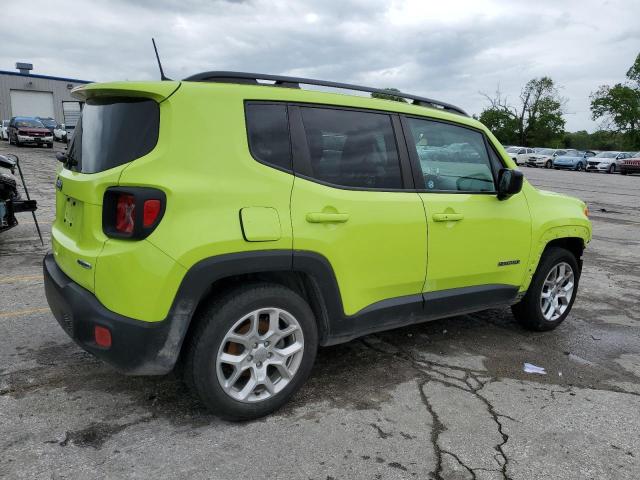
119	123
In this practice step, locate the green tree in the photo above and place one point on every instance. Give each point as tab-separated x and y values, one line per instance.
503	125
580	140
598	140
537	119
390	95
606	140
633	74
618	107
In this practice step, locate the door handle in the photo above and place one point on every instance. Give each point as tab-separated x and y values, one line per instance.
321	217
447	217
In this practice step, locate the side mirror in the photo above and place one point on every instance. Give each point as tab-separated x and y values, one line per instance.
509	183
61	157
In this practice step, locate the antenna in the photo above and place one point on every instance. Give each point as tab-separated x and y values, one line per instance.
162	75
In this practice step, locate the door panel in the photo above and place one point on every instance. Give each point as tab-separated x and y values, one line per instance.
375	242
469	251
474	238
349	203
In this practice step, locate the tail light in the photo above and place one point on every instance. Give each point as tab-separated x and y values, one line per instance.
102	336
151	212
132	212
125	213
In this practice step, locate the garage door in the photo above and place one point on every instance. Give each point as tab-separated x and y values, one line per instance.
31	104
71	112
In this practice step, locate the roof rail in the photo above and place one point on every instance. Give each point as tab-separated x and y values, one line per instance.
294	82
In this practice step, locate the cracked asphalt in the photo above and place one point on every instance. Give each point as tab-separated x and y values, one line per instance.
441	400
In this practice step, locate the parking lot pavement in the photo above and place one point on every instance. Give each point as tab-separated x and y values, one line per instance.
443	400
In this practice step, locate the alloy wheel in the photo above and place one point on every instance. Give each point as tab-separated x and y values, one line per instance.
260	355
557	291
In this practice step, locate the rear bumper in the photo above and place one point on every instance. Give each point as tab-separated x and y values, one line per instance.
137	347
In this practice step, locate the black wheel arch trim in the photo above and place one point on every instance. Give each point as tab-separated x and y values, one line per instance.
334	325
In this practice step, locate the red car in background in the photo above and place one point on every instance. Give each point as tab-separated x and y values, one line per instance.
23	130
631	165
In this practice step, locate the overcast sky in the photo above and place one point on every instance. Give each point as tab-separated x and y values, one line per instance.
449	50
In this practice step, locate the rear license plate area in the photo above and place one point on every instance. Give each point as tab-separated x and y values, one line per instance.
72	212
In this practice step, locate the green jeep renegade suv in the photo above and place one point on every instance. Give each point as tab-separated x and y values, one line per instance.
232	223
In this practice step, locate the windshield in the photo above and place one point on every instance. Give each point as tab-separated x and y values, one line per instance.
48	122
546	151
113	131
29	123
607	155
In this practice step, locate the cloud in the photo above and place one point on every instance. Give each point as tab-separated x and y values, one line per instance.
446	50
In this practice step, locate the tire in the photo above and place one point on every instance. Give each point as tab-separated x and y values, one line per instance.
549	164
623	172
229	314
579	167
612	168
50	145
529	311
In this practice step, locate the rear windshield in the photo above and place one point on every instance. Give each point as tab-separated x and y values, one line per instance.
113	131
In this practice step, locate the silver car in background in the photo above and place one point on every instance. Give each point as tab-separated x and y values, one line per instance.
544	156
608	162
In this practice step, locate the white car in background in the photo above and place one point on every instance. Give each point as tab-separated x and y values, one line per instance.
4	134
63	133
520	155
544	156
60	133
607	162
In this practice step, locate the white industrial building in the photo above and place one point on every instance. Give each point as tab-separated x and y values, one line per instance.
23	93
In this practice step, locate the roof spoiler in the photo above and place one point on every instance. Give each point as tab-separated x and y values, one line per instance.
158	91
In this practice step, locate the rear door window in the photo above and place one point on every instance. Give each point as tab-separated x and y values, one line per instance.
113	131
268	132
352	148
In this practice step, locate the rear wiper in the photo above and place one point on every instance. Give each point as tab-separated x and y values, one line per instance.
66	159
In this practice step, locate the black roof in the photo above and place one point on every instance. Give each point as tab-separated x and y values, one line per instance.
295	82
